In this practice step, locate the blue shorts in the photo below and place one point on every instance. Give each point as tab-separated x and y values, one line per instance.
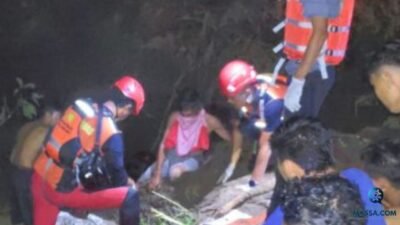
189	163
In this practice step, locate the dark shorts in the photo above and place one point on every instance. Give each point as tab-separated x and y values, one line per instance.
21	198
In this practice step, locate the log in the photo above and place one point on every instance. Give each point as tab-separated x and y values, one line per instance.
237	195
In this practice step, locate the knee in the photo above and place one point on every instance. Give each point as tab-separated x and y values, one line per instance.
176	172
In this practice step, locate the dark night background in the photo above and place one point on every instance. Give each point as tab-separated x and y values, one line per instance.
77	47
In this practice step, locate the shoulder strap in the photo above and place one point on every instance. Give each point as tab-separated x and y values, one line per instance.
98	130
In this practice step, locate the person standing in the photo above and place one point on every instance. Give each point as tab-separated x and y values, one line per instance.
315	40
29	142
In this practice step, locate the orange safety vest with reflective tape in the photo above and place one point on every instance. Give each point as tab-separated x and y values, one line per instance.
275	88
298	31
77	126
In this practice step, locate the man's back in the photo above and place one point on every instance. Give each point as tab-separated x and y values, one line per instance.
23	132
31	146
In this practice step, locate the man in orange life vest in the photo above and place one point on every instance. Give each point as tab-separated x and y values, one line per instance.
55	184
315	40
185	141
260	103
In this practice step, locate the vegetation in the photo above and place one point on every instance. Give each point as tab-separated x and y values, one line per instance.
24	101
165	212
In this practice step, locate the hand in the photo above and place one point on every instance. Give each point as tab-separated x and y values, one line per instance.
293	94
155	182
226	175
244	187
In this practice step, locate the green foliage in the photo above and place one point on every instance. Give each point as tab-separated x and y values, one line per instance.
28	109
171	213
26	101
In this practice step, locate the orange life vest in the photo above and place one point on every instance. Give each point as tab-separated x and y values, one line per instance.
275	87
171	139
298	31
74	133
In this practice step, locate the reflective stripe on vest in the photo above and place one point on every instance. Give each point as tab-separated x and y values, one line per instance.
298	30
67	128
275	90
53	143
328	52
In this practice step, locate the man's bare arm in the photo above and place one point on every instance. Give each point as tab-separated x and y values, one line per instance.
264	153
314	47
161	153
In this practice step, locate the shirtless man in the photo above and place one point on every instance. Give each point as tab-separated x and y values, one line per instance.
28	145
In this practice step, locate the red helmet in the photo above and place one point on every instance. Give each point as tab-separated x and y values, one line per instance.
132	89
235	76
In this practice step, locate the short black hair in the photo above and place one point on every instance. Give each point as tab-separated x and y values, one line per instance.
388	55
327	200
382	159
306	142
50	107
189	99
115	95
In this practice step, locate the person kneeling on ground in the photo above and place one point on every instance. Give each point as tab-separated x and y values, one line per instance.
87	137
304	150
382	162
185	140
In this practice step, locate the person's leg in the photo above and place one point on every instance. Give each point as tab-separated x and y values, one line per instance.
44	212
124	198
188	164
130	210
321	90
24	195
15	212
146	176
307	97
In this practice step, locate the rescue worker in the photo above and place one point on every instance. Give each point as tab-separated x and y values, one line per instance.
384	75
260	106
29	142
186	139
315	40
55	184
